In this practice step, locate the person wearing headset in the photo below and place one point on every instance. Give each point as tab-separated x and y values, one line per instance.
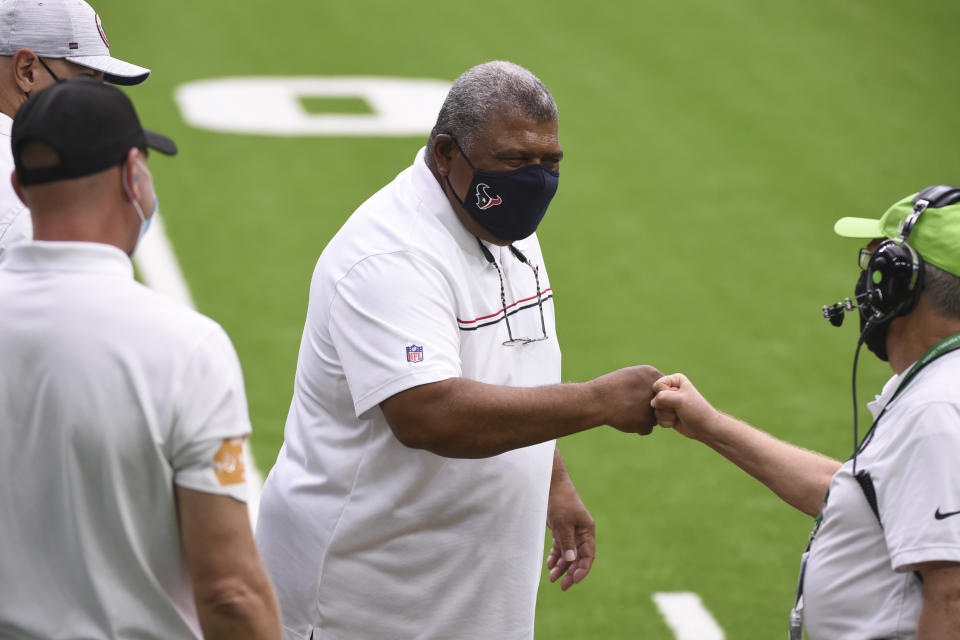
883	559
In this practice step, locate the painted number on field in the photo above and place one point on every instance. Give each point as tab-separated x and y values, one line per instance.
275	105
687	617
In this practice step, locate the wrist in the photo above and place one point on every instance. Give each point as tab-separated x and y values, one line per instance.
558	477
562	492
714	427
591	402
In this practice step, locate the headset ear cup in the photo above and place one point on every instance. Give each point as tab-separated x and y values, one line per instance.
895	271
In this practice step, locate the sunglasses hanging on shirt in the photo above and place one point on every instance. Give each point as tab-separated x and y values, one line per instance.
511	341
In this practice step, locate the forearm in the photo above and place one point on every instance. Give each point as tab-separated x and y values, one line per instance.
798	476
561	485
462	418
940	615
559	476
237	611
231	589
940	624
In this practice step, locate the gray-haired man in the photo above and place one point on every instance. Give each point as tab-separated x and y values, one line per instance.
42	41
419	463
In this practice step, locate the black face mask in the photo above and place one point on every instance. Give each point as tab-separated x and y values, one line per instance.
508	204
874	336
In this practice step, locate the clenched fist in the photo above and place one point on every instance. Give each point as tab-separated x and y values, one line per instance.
679	406
625	396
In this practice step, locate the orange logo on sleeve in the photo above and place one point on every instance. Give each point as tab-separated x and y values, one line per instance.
228	461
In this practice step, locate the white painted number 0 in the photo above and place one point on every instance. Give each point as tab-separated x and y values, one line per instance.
273	105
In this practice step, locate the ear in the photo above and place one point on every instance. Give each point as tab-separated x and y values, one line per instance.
25	69
17	188
443	150
132	174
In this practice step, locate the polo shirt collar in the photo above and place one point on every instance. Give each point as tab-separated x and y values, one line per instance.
71	257
434	202
880	401
6	125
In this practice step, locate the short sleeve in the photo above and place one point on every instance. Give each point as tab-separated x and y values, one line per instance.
919	497
211	421
393	325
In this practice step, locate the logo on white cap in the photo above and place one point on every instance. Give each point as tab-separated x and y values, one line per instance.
103	35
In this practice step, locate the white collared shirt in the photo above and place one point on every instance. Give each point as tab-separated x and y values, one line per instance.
110	394
15	223
859	583
364	537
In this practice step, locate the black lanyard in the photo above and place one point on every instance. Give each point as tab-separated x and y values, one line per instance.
942	348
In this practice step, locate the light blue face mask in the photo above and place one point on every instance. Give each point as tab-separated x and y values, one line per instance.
144	221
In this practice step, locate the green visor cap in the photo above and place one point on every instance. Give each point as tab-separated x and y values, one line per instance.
935	236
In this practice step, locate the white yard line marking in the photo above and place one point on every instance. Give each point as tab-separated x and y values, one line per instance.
158	265
687	617
160	271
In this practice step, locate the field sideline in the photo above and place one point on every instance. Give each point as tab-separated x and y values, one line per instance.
709	149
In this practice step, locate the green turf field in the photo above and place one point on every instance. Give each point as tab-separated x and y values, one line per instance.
709	148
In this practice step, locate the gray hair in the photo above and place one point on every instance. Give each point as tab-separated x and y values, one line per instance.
943	291
488	88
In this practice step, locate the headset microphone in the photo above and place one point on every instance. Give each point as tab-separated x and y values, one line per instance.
891	283
834	312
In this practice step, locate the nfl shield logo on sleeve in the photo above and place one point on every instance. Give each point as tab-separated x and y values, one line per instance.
415	353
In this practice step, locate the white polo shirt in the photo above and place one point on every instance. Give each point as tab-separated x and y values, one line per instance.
859	583
109	395
364	537
15	223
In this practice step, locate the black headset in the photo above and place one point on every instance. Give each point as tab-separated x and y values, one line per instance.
895	270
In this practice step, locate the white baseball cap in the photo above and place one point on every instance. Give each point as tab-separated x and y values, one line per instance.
68	29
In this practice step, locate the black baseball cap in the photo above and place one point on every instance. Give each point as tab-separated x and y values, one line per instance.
91	125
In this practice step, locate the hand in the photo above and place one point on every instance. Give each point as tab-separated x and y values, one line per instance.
626	394
574	534
679	406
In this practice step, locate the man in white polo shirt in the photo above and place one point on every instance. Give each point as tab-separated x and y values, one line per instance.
42	41
122	413
419	465
884	556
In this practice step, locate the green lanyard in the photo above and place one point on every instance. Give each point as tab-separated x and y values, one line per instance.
942	348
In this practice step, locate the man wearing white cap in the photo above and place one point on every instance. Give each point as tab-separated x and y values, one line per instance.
122	413
42	41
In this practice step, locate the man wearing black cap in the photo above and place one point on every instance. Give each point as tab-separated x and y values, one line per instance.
42	41
123	413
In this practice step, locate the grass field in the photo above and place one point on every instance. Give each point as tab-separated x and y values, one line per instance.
709	148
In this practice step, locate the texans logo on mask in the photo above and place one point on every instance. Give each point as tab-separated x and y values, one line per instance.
484	199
